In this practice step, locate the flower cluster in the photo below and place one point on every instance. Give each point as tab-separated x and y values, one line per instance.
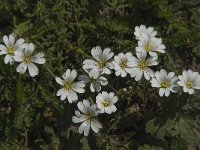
123	64
149	44
19	51
97	69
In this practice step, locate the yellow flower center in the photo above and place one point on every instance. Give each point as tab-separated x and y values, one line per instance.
123	64
67	86
101	63
10	51
105	103
142	65
148	47
27	59
164	84
189	85
89	117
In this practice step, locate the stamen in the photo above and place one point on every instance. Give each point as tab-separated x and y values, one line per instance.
10	51
89	117
164	84
67	86
123	64
101	63
27	59
189	85
142	65
105	103
148	47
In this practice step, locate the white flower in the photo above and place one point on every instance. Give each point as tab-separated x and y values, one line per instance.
69	86
95	80
101	64
27	60
141	66
189	80
87	118
150	45
166	82
139	30
121	64
105	102
10	47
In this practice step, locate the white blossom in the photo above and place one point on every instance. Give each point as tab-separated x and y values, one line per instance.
189	80
27	60
87	117
142	29
106	102
69	87
101	63
10	47
166	82
121	64
141	66
95	80
150	45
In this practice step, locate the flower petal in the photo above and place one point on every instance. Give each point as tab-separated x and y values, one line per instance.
72	96
96	52
19	56
5	40
161	92
87	129
59	80
21	68
38	58
19	43
60	92
82	107
11	40
78	87
7	59
95	125
2	47
77	119
33	70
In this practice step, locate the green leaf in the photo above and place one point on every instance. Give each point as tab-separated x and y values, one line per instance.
146	147
187	131
179	144
85	144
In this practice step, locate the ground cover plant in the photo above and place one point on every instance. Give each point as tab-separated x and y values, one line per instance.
104	74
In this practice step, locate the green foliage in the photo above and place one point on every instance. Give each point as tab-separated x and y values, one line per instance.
146	147
32	117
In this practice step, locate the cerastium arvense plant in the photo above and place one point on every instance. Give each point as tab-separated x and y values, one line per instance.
102	63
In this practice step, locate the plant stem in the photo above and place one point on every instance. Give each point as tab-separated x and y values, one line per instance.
114	90
26	139
49	70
